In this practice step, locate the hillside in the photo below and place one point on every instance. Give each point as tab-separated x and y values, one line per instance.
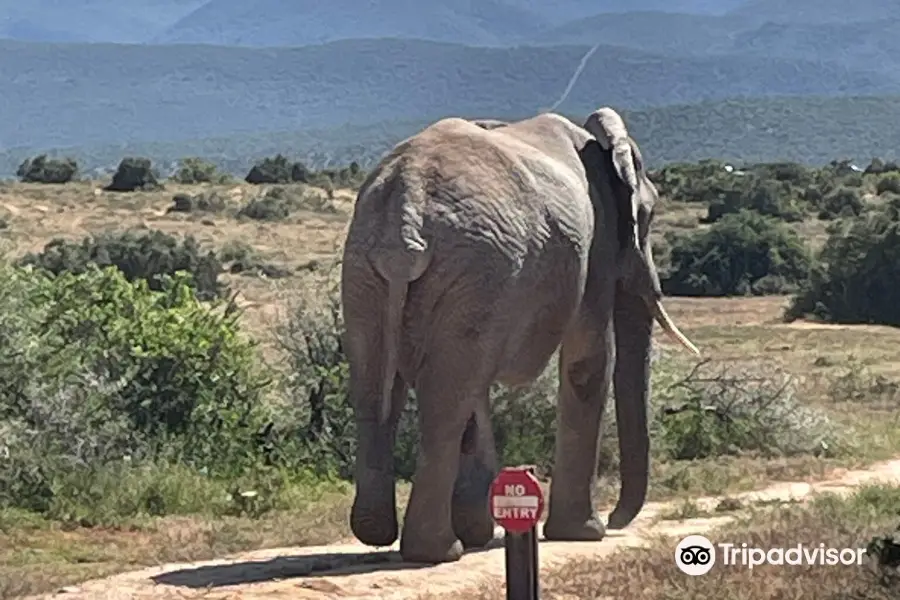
478	22
816	11
89	20
651	31
303	22
807	130
161	93
871	44
285	22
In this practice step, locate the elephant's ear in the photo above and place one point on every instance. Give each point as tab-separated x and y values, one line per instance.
609	130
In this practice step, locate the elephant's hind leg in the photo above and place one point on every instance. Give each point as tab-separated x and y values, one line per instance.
373	516
446	394
472	520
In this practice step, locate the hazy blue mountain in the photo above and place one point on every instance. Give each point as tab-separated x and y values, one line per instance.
653	31
809	12
479	22
90	20
59	94
302	22
870	44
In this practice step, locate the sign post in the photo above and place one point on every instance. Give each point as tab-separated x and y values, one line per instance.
517	503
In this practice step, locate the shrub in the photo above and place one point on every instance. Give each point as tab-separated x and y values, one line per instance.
138	255
888	183
842	202
195	170
244	259
279	203
274	169
797	175
134	174
718	414
743	253
853	280
203	202
100	373
41	169
767	197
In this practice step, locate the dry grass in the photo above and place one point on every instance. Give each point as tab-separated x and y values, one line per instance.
650	573
38	556
836	367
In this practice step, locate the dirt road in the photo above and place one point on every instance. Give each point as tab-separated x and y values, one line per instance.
350	571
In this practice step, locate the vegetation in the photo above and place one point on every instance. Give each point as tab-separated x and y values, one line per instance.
743	253
851	281
135	393
41	169
134	174
149	256
810	130
193	170
866	518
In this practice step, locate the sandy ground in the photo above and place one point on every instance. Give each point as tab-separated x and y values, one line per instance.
350	571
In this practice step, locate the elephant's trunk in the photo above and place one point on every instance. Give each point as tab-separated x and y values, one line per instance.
633	331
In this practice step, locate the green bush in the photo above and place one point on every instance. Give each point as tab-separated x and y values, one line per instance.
888	184
855	274
709	414
765	196
742	253
243	258
279	203
202	202
134	174
273	169
149	255
274	205
691	182
99	373
193	170
41	169
841	202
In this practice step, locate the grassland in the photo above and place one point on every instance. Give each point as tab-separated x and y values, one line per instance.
851	373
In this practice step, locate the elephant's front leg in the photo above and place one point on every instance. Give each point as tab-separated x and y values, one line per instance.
373	517
472	519
585	371
445	404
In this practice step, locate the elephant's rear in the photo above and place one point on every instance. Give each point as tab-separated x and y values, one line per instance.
494	233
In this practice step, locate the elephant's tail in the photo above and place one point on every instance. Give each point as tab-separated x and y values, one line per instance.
391	334
398	269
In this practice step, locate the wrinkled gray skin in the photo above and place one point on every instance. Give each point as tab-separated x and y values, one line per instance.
475	250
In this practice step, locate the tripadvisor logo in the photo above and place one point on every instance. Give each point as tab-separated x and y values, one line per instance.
696	555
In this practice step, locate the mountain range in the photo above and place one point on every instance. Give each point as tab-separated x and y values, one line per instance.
301	22
160	71
65	94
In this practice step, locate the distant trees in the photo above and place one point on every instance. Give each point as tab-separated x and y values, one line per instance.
42	169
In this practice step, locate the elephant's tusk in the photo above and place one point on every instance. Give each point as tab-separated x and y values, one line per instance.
662	317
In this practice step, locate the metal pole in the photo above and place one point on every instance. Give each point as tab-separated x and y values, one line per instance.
521	566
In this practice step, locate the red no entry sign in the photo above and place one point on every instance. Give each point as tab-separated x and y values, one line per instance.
517	501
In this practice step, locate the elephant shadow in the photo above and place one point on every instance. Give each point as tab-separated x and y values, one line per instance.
294	567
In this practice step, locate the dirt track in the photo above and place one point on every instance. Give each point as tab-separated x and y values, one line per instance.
351	571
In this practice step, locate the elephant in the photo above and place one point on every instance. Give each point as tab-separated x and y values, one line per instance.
472	255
